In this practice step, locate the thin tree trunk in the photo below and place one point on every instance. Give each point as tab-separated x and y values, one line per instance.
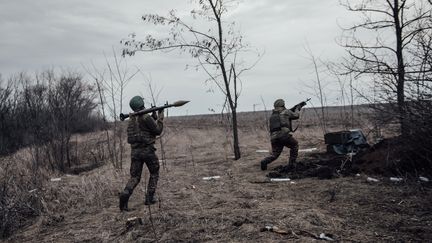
237	154
400	70
227	87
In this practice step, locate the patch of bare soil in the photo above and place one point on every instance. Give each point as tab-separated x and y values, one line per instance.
242	205
319	165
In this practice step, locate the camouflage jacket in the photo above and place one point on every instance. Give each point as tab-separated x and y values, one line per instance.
286	115
142	130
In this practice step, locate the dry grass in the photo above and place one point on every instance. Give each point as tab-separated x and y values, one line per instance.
26	189
20	194
233	208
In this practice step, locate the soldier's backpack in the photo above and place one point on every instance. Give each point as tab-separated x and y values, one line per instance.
275	121
134	133
276	124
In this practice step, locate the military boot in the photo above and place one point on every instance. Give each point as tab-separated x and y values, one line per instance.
124	198
150	199
263	165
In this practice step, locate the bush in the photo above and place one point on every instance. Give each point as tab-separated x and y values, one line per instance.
45	110
20	195
419	138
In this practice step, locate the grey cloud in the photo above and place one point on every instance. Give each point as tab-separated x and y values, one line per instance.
46	33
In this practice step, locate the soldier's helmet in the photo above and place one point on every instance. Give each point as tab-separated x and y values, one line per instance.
279	103
136	103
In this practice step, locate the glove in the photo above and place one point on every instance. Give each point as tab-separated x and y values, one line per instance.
161	115
154	115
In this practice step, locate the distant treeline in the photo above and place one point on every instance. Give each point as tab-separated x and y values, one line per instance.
337	115
45	109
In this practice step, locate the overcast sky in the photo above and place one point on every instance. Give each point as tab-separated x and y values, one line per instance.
64	34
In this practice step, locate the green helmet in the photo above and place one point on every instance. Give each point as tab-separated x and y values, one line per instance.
136	103
279	103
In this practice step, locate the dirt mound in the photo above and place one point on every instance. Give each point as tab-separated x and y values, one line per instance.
389	157
393	156
382	158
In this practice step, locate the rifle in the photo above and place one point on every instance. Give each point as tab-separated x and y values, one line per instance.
153	109
301	104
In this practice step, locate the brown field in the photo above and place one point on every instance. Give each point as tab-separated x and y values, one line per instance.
241	203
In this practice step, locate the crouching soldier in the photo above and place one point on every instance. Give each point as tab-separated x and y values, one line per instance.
281	133
141	135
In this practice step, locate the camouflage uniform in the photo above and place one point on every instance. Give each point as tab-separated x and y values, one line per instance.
142	131
281	134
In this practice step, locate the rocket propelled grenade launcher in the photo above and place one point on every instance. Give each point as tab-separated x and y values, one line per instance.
156	108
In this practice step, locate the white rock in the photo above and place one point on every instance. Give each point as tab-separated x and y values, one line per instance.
208	178
262	151
370	179
424	179
396	179
325	237
308	150
132	218
56	179
279	179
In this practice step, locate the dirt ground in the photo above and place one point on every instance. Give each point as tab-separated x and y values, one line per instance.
240	206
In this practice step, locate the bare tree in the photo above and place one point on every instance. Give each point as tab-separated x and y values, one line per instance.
154	97
385	59
421	51
318	88
42	112
7	110
319	91
216	47
111	83
419	96
70	102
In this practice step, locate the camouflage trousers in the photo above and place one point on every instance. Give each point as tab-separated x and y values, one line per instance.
139	156
277	147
